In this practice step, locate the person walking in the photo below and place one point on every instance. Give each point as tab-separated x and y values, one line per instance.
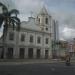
68	60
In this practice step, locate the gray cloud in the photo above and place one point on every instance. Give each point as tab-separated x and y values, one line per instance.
63	12
68	33
70	21
8	3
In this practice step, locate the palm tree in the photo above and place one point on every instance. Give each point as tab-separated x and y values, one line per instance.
7	19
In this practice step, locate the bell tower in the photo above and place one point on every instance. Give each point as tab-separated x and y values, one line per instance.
44	19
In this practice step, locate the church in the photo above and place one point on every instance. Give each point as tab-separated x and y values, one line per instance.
34	40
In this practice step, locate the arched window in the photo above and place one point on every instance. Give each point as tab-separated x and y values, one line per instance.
46	20
38	40
31	38
39	20
22	37
11	36
47	40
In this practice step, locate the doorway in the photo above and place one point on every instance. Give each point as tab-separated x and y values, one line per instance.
46	54
22	52
10	53
38	53
30	53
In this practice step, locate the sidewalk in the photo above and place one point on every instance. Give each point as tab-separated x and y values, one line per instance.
27	61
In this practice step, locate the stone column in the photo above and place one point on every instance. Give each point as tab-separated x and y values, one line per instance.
34	53
26	53
5	53
42	53
50	54
16	52
16	49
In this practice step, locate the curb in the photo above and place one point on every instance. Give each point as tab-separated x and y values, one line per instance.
22	63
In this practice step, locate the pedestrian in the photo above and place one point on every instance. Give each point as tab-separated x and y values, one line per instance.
68	60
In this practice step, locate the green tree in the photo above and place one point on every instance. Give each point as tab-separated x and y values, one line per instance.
8	18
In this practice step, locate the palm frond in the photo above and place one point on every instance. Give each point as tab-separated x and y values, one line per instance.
5	10
1	4
14	11
16	21
1	20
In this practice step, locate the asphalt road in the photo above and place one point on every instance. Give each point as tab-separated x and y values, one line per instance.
38	69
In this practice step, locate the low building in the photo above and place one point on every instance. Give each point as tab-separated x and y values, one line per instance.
62	50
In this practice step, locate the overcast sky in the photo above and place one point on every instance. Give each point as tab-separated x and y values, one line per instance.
61	10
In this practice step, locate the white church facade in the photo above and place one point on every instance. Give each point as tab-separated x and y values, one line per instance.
34	40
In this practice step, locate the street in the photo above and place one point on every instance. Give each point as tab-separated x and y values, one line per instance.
38	69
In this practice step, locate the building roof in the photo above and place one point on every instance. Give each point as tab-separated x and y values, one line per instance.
43	11
30	24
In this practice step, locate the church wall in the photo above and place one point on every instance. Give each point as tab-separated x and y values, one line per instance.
44	49
25	41
7	37
39	35
26	44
